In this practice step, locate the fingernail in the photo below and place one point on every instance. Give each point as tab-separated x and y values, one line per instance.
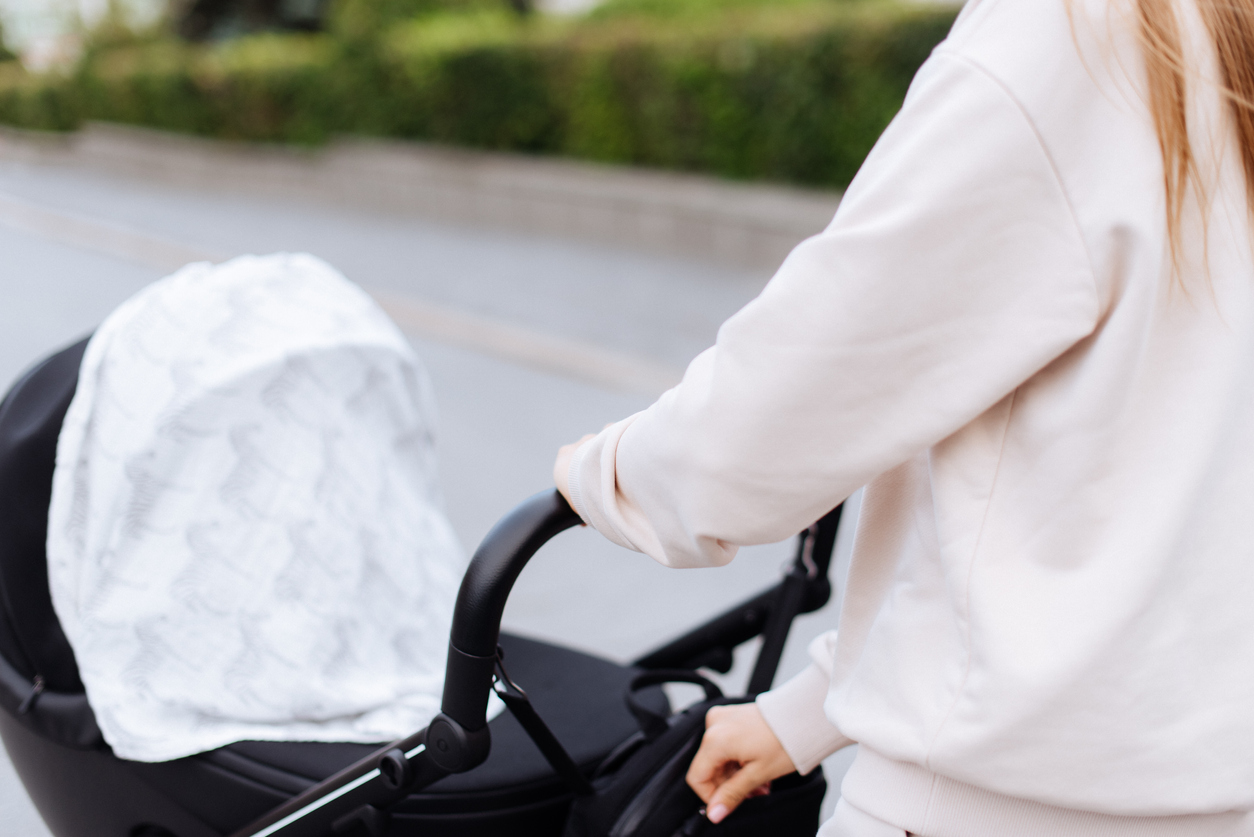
717	812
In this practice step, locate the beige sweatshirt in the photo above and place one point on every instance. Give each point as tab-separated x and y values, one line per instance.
1050	608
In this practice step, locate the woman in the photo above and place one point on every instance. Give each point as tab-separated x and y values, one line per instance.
1030	329
245	539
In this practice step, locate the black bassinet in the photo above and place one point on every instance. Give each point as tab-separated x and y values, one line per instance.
481	782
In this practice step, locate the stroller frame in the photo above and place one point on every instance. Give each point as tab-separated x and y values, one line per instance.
458	740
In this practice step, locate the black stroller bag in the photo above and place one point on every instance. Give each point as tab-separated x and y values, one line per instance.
642	792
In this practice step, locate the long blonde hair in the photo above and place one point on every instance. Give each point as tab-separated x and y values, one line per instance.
1231	27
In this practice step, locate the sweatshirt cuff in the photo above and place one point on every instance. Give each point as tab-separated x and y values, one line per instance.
592	483
794	712
572	482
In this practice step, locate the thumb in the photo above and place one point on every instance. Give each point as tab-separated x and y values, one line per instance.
735	790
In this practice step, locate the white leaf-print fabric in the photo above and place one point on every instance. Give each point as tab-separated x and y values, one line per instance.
245	540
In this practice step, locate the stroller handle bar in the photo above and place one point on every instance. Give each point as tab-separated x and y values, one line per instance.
481	602
457	739
496	566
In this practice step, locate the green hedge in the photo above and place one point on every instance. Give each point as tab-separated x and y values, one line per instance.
36	102
797	93
6	54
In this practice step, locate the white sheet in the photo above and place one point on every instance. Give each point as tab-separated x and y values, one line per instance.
245	539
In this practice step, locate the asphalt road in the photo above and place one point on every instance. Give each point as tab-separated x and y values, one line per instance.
504	407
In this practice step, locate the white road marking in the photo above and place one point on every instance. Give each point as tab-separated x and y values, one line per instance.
495	338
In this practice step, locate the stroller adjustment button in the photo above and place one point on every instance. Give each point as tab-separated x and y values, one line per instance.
454	748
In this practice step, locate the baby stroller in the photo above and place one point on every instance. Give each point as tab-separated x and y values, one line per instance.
461	776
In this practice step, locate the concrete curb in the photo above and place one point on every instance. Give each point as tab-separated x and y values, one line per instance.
748	225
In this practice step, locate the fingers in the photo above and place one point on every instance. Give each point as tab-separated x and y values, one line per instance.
709	769
715	760
723	760
745	782
738	758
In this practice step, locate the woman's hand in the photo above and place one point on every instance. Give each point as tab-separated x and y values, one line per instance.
739	757
561	468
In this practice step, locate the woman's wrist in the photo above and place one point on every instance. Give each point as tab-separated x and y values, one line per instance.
794	712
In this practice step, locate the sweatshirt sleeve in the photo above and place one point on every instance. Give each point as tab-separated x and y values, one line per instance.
953	271
794	711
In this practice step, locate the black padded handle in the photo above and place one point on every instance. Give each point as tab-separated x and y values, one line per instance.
651	723
481	601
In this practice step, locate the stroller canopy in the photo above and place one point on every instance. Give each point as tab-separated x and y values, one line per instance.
245	539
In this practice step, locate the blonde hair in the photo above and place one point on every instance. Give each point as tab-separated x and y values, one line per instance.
1231	27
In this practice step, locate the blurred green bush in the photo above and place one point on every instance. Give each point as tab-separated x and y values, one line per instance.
6	54
795	91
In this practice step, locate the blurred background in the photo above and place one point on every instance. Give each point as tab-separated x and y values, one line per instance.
786	90
559	201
